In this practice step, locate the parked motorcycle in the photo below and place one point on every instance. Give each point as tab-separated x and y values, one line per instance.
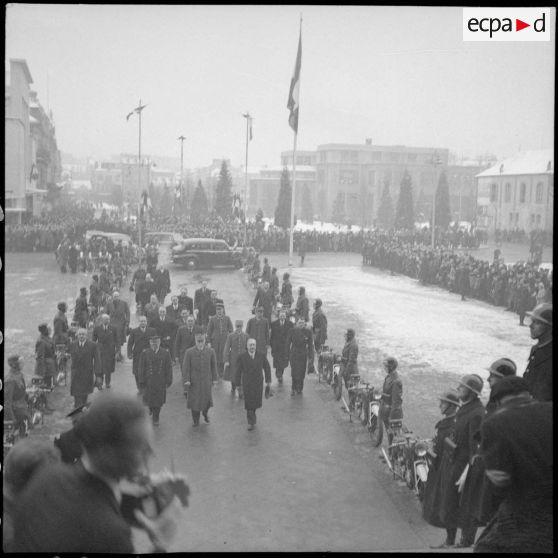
418	469
337	377
325	364
61	363
370	414
37	399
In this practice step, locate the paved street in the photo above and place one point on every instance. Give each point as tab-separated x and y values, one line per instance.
307	479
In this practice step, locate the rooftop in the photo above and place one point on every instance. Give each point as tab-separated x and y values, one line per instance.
538	161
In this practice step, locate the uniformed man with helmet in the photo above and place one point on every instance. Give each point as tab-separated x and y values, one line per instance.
538	374
501	368
391	409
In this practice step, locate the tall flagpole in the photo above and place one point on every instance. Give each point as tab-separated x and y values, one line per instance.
248	117
294	104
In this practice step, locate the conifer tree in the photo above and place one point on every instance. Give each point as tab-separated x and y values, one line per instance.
199	204
385	211
283	209
223	192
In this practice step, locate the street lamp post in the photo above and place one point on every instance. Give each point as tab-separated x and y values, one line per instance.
182	138
248	121
138	110
435	161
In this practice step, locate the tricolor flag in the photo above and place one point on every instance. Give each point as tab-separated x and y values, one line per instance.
145	203
292	103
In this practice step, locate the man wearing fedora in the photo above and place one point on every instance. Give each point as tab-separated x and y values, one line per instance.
538	374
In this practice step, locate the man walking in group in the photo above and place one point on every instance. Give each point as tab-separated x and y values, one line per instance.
218	329
234	347
105	337
251	369
184	301
319	326
258	328
278	340
155	376
119	312
264	298
201	296
184	339
300	348
199	373
86	368
138	341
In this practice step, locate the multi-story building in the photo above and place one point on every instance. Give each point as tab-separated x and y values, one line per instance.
518	193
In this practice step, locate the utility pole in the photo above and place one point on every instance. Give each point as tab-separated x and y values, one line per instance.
182	138
435	161
248	126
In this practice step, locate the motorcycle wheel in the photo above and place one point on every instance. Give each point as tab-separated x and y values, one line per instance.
363	416
421	487
409	477
376	430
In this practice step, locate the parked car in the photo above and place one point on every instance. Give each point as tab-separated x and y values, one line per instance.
165	238
206	252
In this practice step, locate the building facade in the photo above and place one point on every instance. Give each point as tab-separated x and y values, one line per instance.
518	193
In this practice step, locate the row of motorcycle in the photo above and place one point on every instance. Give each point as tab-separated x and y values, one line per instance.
37	401
408	457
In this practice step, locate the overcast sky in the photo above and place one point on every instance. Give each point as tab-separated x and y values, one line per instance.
400	75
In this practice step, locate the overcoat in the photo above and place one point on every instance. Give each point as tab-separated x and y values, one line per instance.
186	302
138	340
60	328
201	296
264	299
300	348
539	372
235	345
167	330
437	509
250	374
86	364
184	340
155	376
467	429
45	364
392	397
119	313
173	313
218	329
350	357
518	439
287	294
151	312
302	307
319	327
81	312
106	340
258	329
278	340
200	369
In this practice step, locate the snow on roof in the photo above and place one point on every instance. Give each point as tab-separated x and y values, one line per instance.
524	162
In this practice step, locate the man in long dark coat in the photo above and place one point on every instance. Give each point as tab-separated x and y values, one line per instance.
435	508
199	373
251	368
166	329
517	449
105	337
218	329
278	339
60	324
184	301
264	298
138	341
174	309
201	296
235	345
258	328
119	313
155	376
300	348
468	421
319	325
538	374
86	368
184	339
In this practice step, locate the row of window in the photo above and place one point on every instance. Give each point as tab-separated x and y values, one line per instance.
539	192
374	157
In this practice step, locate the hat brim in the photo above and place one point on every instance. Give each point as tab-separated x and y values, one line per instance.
469	387
538	318
493	372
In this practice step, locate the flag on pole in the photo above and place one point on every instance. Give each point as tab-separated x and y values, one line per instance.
292	103
250	126
145	203
128	115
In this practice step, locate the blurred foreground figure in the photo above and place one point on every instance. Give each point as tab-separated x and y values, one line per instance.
77	508
517	448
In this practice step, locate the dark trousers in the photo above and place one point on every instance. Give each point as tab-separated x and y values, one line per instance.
220	369
279	372
106	378
468	535
298	384
196	415
80	400
450	535
155	412
251	416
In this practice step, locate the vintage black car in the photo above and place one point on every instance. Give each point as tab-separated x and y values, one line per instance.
197	253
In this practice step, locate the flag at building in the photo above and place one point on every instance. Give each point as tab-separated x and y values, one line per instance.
292	103
250	126
145	204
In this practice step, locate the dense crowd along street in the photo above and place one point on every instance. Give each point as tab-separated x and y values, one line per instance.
91	339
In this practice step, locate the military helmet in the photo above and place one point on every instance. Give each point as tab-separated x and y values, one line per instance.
318	302
542	313
450	396
391	362
473	382
503	367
